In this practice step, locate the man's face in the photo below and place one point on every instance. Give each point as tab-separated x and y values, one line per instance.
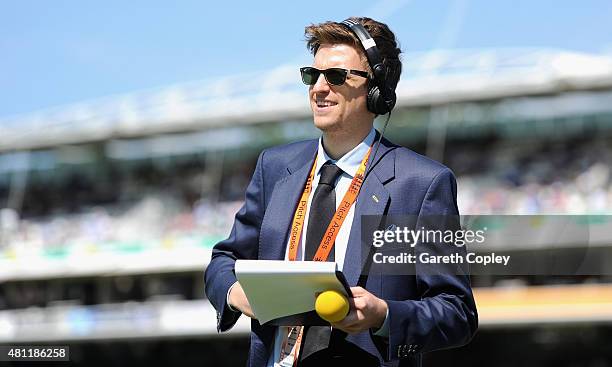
339	107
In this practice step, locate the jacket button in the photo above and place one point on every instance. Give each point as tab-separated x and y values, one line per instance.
401	351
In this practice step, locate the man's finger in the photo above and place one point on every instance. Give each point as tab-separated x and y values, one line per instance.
353	320
350	318
359	303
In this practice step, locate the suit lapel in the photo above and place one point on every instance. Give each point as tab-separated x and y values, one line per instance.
281	207
372	200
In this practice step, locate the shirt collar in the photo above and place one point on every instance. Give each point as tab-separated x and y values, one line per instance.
349	163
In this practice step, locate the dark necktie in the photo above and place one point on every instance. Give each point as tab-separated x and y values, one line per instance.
323	207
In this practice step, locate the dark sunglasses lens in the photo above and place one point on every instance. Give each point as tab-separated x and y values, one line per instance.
310	75
335	76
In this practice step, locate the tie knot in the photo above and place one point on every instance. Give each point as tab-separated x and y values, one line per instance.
329	173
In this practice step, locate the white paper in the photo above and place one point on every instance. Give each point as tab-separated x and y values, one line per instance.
277	288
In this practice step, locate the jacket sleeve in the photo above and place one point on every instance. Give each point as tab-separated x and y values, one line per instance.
242	243
445	316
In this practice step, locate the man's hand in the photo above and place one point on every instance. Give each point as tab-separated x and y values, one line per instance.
366	312
239	301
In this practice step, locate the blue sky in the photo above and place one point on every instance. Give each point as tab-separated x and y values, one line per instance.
58	52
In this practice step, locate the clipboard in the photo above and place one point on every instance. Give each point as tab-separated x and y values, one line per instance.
310	318
282	293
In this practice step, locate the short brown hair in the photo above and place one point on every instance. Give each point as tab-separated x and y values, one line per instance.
337	33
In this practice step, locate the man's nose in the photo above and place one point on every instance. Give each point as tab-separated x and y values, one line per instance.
321	85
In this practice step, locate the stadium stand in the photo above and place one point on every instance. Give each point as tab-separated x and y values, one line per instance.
109	208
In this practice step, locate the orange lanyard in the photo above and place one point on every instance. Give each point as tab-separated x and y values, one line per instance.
327	242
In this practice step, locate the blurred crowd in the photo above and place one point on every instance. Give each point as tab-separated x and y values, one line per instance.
150	201
563	177
144	204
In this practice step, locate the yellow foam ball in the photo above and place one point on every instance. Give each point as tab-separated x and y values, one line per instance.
332	306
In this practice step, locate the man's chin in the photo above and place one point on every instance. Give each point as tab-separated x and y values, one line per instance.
325	124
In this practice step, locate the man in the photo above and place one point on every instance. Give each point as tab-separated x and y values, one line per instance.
393	319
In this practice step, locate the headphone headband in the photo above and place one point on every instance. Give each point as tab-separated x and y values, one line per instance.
382	92
366	40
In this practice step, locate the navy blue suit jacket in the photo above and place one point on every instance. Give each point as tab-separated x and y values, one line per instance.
425	312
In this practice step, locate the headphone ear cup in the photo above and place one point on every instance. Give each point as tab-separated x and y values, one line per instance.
371	99
376	103
374	99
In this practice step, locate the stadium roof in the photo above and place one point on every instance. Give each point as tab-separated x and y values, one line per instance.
429	78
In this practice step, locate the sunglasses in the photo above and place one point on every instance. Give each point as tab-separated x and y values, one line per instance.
334	76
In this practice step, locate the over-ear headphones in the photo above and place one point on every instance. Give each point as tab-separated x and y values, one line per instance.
381	96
